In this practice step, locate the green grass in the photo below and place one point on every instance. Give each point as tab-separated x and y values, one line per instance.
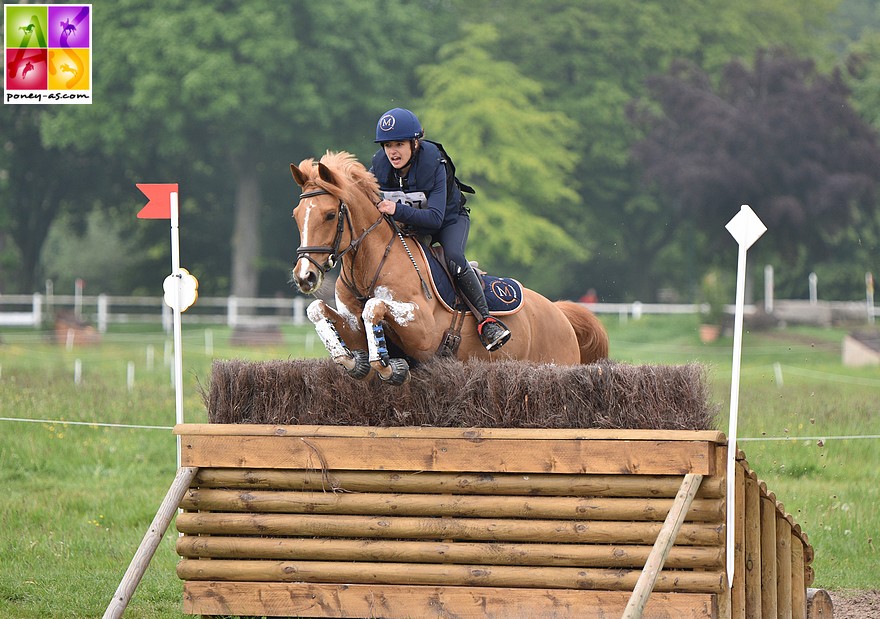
77	499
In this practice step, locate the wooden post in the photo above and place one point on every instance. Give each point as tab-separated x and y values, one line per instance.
783	568
819	604
151	540
753	548
768	558
798	588
662	546
738	588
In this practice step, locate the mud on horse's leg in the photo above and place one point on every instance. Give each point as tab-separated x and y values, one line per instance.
354	362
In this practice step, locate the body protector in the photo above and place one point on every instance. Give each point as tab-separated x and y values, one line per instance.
423	201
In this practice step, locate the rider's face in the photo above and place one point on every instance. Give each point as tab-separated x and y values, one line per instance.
399	153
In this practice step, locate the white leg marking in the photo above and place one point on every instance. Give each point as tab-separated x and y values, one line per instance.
325	330
348	316
402	313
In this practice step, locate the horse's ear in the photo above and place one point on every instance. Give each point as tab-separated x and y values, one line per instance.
298	176
327	174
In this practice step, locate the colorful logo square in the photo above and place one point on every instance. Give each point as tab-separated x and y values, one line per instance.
26	25
69	69
69	25
48	53
26	69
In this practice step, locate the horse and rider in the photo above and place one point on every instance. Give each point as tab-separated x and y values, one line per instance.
370	222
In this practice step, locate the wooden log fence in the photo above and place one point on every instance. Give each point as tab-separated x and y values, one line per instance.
314	521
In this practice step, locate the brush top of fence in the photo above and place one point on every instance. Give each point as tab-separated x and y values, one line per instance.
446	393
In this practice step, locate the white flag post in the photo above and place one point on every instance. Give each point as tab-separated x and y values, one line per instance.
180	287
178	336
746	228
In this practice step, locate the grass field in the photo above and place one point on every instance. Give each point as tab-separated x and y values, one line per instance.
77	499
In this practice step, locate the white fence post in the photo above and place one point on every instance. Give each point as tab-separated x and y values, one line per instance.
167	318
299	311
814	288
232	312
637	310
102	313
37	309
768	289
78	297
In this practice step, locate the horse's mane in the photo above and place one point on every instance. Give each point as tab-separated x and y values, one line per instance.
358	180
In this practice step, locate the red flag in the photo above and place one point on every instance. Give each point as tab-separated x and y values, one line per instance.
158	200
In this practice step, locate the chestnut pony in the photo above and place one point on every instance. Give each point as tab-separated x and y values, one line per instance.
381	293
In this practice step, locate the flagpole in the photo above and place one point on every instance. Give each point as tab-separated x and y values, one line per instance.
178	350
734	407
746	228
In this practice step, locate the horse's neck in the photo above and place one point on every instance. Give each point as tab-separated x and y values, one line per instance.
362	265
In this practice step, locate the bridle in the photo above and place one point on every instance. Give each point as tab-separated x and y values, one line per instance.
332	251
343	219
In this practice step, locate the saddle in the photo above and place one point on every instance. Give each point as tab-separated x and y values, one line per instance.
503	295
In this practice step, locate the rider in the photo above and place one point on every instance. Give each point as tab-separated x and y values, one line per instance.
412	175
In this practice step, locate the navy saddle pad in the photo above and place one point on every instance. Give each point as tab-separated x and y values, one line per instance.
503	294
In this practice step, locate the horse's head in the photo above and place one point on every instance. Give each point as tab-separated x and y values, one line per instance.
324	215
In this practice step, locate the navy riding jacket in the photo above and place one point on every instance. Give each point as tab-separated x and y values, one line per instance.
421	196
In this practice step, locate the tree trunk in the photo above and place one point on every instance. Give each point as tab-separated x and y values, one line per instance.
246	231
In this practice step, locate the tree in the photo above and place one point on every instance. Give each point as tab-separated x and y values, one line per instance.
517	155
38	182
591	58
779	136
224	95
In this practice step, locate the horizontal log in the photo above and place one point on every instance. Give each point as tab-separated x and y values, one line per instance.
442	574
379	504
466	529
493	553
536	484
642	457
352	600
475	434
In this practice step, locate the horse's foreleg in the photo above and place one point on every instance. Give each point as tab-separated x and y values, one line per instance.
376	311
328	324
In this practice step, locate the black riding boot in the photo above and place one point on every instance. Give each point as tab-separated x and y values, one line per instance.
492	331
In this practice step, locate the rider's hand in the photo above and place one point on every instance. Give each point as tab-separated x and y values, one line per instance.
387	207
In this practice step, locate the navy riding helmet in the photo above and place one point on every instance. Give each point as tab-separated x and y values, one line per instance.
398	125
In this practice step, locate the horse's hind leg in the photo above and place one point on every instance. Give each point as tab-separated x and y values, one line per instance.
326	319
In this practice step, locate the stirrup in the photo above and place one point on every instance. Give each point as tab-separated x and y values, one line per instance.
498	341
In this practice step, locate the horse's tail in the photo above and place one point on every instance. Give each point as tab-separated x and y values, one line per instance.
591	335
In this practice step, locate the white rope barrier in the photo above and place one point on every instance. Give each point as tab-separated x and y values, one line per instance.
88	423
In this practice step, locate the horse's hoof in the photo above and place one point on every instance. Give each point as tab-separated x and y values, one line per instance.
362	367
399	372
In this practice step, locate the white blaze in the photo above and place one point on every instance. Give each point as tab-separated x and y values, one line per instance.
301	269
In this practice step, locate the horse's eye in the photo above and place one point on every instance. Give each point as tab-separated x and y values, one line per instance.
330	216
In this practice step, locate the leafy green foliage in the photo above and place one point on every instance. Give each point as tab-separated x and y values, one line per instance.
516	155
220	97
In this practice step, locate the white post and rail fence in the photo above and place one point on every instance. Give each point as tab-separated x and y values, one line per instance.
39	309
